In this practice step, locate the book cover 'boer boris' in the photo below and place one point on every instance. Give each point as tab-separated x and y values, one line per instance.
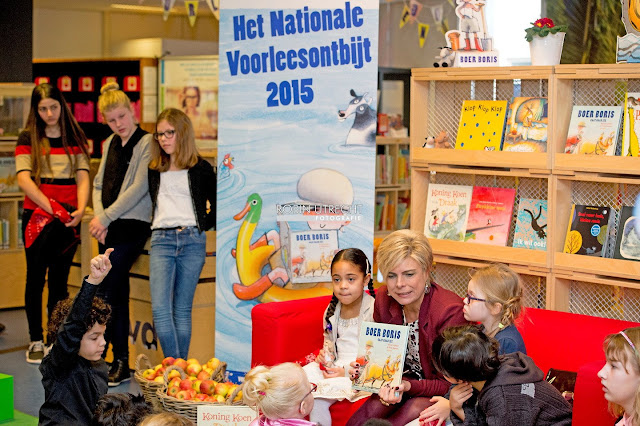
594	130
381	352
481	125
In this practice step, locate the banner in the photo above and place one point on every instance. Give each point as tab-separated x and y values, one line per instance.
191	85
298	84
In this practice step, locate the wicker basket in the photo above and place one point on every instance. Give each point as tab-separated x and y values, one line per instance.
149	388
188	408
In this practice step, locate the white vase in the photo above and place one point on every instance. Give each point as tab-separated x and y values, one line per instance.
546	50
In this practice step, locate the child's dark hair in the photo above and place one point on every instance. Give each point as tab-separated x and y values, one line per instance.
465	353
358	258
120	409
100	313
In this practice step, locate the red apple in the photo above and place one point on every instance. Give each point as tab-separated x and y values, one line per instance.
149	374
208	387
184	395
168	361
193	369
180	362
186	384
173	373
201	397
193	393
175	382
192	361
213	363
173	391
223	388
203	375
196	385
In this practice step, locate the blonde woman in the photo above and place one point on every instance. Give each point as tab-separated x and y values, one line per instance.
122	215
180	183
281	394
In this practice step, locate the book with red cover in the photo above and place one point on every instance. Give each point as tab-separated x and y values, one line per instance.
490	215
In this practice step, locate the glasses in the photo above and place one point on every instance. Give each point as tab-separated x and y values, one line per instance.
470	298
168	134
313	389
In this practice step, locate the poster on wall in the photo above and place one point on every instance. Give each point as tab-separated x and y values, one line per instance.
191	85
297	127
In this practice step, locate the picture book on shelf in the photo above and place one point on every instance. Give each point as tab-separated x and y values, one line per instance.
490	215
588	230
526	127
593	130
481	125
628	238
447	211
631	125
8	178
531	224
381	353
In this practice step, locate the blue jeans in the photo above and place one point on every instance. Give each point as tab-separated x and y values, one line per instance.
176	260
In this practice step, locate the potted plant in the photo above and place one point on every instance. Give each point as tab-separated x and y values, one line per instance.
545	41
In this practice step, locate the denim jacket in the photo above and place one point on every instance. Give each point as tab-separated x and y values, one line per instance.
202	186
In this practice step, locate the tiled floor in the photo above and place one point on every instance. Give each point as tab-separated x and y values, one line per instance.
27	388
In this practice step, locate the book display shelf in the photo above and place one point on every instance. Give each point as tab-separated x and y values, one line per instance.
553	279
393	187
14	110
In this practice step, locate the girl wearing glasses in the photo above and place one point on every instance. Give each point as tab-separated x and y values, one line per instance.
410	298
52	167
281	394
180	184
620	376
494	300
122	212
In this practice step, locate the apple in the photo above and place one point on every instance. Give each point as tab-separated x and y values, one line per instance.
184	395
213	363
238	397
186	384
168	361
201	397
193	369
193	393
208	387
232	388
203	375
173	391
219	398
160	371
173	373
180	362
175	382
196	385
149	374
157	367
159	379
192	361
222	389
211	399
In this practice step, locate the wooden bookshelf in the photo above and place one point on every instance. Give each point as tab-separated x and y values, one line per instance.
393	185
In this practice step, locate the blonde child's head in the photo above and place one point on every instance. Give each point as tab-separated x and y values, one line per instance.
279	392
112	97
501	288
166	419
621	374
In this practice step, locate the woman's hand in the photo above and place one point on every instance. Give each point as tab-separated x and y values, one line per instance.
439	411
458	395
77	217
97	230
393	395
331	372
100	267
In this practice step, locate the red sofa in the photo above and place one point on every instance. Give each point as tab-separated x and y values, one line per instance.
288	331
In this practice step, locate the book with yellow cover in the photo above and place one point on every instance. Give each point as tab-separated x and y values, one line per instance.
481	125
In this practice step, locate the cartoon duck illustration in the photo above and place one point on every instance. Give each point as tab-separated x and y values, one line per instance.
251	258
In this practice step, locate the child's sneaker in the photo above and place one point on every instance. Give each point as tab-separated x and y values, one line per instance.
35	353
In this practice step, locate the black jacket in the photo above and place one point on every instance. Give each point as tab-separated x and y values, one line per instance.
72	384
202	185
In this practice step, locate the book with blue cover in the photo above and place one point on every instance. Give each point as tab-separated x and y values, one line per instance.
531	224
